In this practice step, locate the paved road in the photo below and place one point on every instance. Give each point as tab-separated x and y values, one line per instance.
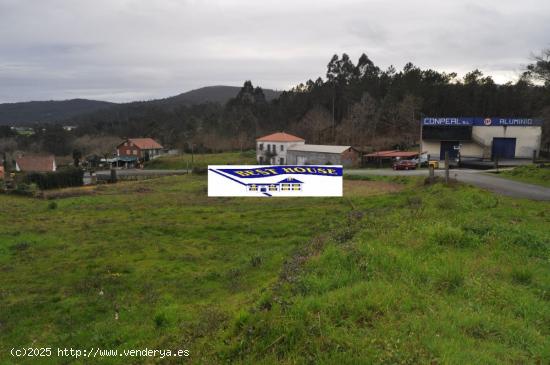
478	178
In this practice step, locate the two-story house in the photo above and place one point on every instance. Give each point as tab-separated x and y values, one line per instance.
140	148
272	149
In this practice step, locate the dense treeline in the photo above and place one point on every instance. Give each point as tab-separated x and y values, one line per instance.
355	103
62	178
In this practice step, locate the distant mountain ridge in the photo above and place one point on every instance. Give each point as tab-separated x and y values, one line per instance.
214	94
47	111
26	113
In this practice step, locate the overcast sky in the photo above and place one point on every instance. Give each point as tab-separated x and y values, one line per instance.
124	50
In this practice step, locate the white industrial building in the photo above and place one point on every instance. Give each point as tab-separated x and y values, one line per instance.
481	138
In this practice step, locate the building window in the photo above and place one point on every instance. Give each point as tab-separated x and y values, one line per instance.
253	188
281	161
295	187
134	152
261	146
268	148
285	187
282	147
272	187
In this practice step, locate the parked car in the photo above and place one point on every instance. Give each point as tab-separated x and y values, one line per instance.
404	165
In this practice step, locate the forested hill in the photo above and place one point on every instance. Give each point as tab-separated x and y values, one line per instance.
214	94
355	103
47	111
68	111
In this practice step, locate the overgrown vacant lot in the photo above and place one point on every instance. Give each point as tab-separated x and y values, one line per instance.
202	160
389	274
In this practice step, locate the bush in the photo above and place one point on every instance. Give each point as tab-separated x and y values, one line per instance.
56	180
52	205
160	320
25	189
200	170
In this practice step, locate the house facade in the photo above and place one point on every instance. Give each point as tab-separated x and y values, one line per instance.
140	148
272	149
311	154
35	164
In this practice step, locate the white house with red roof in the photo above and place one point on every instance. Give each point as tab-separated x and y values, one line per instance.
272	149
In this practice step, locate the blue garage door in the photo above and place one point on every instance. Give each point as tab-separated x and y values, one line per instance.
504	148
450	147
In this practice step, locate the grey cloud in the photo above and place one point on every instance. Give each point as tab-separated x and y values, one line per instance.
124	50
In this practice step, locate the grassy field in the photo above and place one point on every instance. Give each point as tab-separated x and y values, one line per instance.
202	160
532	174
392	273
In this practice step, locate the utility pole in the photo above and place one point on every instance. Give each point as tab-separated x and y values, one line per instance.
192	157
446	167
420	142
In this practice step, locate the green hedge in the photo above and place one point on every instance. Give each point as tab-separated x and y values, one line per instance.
54	180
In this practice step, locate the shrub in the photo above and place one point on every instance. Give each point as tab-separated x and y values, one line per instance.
20	246
522	276
256	260
54	180
25	189
200	170
161	320
52	205
447	235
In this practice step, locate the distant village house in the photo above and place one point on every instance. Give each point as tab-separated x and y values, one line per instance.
35	164
285	149
141	148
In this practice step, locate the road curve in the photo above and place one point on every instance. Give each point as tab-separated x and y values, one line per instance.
478	178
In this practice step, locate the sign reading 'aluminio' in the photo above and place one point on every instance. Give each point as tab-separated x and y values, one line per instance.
483	122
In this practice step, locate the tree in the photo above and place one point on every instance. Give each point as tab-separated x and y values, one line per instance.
6	132
77	155
540	70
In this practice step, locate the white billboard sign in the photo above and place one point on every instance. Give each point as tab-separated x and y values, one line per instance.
267	181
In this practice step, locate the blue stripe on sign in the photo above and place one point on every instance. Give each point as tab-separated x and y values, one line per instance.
227	177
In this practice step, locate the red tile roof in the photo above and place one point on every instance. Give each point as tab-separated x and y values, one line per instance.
280	137
145	143
36	163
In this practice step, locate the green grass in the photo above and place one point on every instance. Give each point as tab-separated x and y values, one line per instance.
175	265
442	275
202	160
430	274
532	174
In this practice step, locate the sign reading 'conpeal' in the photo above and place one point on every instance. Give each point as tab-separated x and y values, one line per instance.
481	122
265	181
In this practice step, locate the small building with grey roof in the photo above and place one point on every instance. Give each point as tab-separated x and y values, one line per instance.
313	154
